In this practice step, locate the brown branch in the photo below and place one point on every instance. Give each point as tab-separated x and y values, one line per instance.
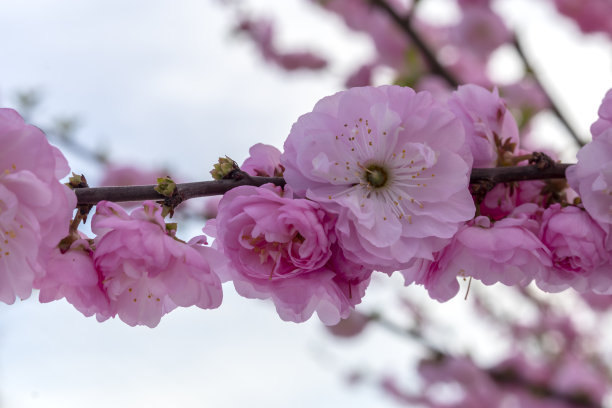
218	187
553	106
518	173
405	25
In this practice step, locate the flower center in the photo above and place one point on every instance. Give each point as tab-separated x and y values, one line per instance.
376	176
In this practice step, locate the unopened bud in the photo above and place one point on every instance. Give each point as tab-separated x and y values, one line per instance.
223	169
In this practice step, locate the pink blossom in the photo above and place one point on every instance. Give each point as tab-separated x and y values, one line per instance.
505	197
292	61
487	122
499	202
391	164
283	248
359	15
480	31
507	251
352	326
211	207
261	32
597	302
73	275
526	95
590	15
474	3
604	122
35	208
576	375
263	160
145	271
591	178
127	175
466	66
578	254
435	85
361	77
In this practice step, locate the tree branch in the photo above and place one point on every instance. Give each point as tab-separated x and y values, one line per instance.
218	187
553	106
405	25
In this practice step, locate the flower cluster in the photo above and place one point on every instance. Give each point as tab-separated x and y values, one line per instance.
382	173
35	208
377	179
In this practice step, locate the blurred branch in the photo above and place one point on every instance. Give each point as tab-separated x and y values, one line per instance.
405	24
553	106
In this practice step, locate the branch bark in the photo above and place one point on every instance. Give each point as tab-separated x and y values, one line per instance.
186	191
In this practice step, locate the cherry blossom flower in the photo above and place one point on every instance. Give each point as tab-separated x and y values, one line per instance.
480	31
145	271
393	167
73	275
604	122
359	15
489	126
590	15
35	208
507	251
263	160
283	248
591	178
579	257
261	32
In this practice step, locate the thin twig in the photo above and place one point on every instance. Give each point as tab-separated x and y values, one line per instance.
404	23
553	106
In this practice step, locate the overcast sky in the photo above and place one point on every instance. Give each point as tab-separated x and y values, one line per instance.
157	82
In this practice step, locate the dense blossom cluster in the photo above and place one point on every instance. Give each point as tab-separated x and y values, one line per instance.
377	180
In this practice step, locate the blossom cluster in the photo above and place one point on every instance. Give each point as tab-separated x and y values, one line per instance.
377	180
387	170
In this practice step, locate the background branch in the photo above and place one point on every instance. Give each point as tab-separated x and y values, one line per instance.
404	23
553	106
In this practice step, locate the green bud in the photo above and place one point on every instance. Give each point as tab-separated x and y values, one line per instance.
165	186
222	169
77	181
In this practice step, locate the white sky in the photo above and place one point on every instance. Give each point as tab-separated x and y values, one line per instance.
159	82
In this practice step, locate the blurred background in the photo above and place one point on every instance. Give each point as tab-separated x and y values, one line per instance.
175	86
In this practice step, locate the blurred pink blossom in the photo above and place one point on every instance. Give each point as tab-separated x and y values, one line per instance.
128	175
210	207
359	15
604	122
591	178
480	31
590	15
35	208
263	160
261	32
